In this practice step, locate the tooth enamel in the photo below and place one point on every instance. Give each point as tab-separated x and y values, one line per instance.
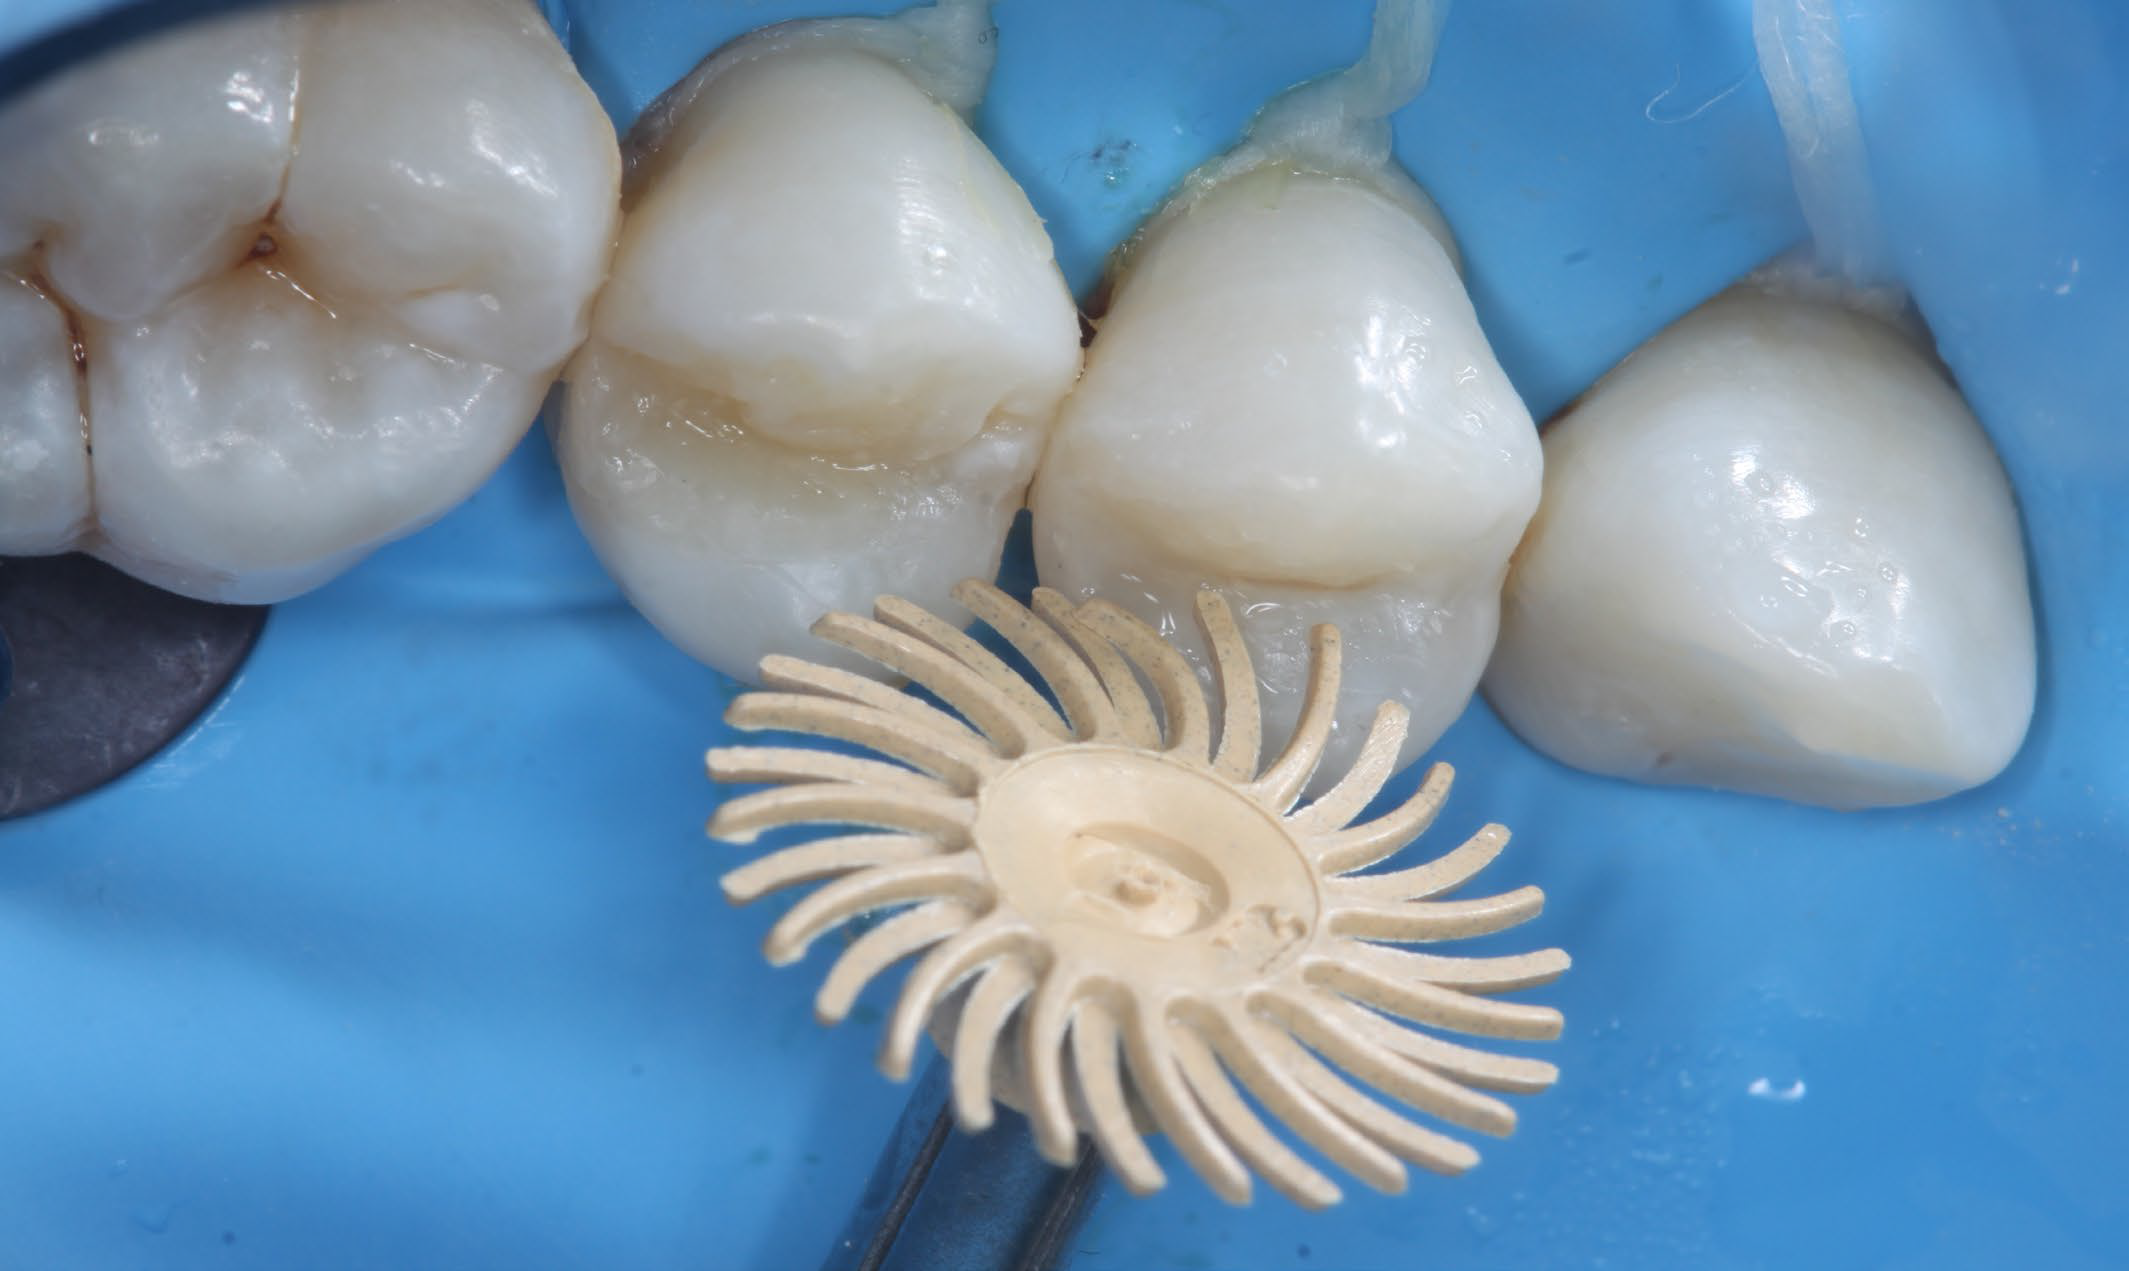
246	404
44	470
144	173
323	266
1776	554
455	174
1290	399
832	344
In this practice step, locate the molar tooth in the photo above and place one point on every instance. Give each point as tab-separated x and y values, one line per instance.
247	404
141	174
455	173
321	266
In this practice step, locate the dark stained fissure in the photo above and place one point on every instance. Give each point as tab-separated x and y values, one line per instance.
78	345
78	348
33	272
38	277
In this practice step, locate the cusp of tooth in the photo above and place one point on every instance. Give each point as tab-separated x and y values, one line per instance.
1290	399
832	345
44	463
318	269
137	176
1776	554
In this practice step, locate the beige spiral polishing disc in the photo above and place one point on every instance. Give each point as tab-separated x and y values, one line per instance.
1121	916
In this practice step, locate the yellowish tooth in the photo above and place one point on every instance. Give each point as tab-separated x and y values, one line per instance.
1290	400
831	348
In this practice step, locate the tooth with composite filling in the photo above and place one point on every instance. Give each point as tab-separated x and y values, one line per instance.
280	288
832	345
1776	554
1289	399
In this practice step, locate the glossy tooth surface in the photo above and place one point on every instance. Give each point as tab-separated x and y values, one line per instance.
832	346
1290	399
1776	554
139	175
44	467
323	266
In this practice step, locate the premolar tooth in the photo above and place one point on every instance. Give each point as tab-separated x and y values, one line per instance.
830	350
1290	400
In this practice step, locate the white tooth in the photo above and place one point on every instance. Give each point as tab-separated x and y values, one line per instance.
1776	554
334	334
44	470
832	344
454	173
144	173
1290	399
246	405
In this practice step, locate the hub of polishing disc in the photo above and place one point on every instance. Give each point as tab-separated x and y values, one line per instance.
106	671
